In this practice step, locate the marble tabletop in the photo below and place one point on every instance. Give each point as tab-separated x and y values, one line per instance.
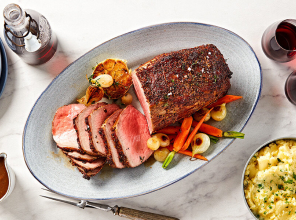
212	192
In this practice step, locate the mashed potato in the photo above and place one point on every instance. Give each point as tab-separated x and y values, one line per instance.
270	181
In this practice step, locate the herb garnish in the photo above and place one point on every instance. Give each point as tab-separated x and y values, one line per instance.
183	66
215	78
289	181
116	83
90	78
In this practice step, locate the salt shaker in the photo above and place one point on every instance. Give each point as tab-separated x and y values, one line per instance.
29	34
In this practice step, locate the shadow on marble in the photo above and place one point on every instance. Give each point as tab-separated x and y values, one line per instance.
57	63
17	209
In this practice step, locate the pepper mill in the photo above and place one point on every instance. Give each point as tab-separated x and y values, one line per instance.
28	34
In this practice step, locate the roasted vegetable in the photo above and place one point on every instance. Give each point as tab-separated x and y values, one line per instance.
153	143
161	154
163	139
120	73
104	80
219	112
200	143
93	94
199	114
127	99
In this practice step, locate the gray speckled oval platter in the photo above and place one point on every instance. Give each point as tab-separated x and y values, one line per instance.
53	171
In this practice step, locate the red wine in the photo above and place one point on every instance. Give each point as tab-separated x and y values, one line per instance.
290	88
286	36
279	41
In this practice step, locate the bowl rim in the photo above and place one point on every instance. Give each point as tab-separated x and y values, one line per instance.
247	163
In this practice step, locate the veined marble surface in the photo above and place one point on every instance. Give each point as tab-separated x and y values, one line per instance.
212	192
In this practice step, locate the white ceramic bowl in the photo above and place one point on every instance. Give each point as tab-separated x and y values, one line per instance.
243	175
11	178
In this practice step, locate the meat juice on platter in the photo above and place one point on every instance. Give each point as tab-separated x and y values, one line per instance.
167	87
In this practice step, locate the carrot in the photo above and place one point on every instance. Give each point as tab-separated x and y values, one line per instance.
205	128
181	138
172	137
191	136
225	99
188	153
209	129
179	141
170	130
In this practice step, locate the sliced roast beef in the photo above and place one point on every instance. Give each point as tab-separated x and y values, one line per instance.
88	174
113	158
80	156
95	121
88	166
63	130
174	85
83	130
130	134
89	169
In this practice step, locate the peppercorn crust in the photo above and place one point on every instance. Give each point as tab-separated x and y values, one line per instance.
179	83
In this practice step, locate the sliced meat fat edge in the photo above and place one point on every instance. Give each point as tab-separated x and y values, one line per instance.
88	166
63	130
80	156
89	169
113	157
130	134
88	174
83	130
94	123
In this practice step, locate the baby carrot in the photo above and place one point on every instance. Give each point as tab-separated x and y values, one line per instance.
179	141
170	130
172	137
225	99
181	138
188	153
191	136
209	129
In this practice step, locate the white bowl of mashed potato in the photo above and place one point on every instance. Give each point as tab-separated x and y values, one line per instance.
269	180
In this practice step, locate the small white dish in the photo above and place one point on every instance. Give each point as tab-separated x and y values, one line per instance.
11	178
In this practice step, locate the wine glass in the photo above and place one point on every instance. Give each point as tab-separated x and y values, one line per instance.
279	41
290	88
